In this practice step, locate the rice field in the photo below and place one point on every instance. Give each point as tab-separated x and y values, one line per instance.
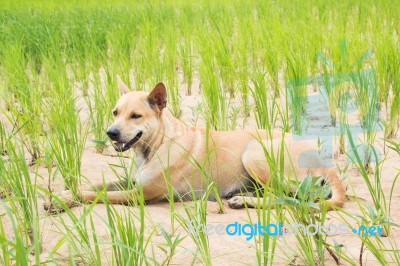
323	70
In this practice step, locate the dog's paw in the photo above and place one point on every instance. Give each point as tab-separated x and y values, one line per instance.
236	202
55	206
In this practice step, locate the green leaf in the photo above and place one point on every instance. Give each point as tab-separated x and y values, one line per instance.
305	187
287	201
313	205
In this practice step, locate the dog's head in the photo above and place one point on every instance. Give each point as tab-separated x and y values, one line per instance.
137	116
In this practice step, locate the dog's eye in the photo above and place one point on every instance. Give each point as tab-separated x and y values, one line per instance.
135	116
115	113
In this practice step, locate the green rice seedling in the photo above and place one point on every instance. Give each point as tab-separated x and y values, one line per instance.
265	112
387	69
301	211
148	69
283	113
194	222
393	124
3	139
140	74
270	57
99	114
374	186
170	64
296	95
186	56
129	243
86	42
234	115
385	66
366	95
111	85
67	136
111	94
216	112
197	113
334	76
266	197
296	89
22	200
125	170
209	160
394	145
344	95
13	251
373	243
267	245
5	246
67	146
171	195
81	72
25	101
223	59
120	42
169	248
79	233
260	98
242	69
4	189
375	246
329	83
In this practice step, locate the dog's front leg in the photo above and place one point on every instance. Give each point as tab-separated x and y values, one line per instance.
113	197
113	185
115	192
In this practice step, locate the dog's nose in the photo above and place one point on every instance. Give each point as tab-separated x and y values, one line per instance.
113	133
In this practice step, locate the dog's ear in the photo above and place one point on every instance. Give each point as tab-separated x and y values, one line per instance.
123	88
158	96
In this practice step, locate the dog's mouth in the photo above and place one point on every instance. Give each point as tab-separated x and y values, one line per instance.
121	146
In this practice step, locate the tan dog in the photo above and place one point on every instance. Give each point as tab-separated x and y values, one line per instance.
163	145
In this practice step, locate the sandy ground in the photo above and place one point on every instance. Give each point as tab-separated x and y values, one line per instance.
232	250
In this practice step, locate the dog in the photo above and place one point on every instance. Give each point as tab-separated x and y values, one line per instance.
192	156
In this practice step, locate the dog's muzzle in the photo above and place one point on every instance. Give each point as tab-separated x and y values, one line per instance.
121	146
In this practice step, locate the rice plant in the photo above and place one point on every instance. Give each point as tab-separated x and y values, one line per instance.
67	135
100	117
22	205
128	242
196	218
25	100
